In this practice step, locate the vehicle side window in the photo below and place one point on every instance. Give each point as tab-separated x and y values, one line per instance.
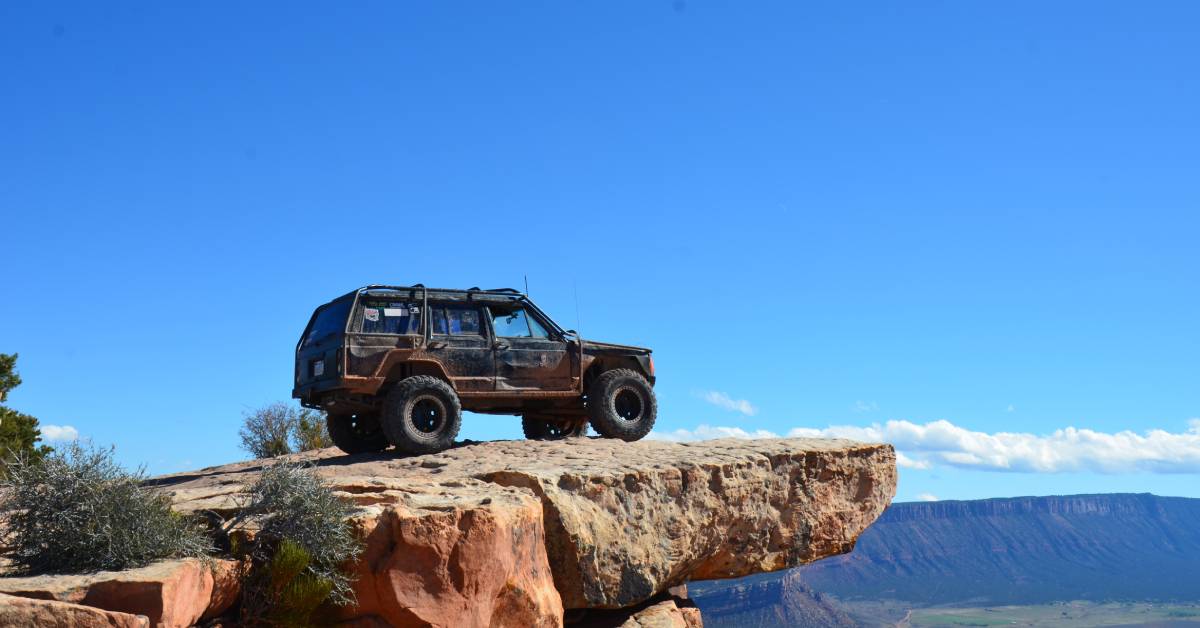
516	324
438	320
536	330
328	320
456	320
389	317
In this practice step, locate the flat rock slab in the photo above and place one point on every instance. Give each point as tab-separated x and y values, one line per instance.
22	612
170	594
501	531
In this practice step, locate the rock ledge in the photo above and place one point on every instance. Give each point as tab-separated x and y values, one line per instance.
511	533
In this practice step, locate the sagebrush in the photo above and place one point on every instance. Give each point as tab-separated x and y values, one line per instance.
77	510
302	550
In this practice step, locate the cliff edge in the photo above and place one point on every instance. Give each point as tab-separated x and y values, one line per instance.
525	533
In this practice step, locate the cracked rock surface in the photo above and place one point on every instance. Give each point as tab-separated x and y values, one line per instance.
514	532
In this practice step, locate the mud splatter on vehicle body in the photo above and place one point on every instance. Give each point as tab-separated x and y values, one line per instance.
395	365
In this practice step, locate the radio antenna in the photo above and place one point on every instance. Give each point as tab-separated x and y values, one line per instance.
526	285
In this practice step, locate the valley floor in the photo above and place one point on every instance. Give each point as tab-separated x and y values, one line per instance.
1056	615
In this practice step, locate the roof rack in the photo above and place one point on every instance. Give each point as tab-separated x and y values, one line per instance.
380	286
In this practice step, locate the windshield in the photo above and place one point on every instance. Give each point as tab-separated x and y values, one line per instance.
330	319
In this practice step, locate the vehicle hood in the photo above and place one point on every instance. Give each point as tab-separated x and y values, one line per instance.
591	346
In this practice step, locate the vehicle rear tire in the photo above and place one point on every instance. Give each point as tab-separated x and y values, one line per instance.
421	415
621	404
356	433
543	429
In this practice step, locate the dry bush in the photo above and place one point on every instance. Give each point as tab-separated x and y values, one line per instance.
282	428
304	544
77	510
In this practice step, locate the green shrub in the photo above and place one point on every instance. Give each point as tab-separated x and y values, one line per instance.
304	543
310	431
283	591
77	510
281	428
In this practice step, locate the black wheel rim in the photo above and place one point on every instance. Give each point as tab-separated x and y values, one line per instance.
428	415
628	404
363	426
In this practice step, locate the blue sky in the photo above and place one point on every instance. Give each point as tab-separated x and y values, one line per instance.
841	214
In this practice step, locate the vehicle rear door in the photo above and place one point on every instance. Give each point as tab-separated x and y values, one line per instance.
458	340
528	355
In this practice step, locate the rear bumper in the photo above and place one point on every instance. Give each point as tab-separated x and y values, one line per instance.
312	391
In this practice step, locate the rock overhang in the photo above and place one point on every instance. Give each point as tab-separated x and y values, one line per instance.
595	523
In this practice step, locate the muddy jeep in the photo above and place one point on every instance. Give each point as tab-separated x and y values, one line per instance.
396	365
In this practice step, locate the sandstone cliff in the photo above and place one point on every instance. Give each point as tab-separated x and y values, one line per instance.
529	533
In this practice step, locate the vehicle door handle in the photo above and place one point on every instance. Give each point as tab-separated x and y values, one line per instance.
499	345
437	344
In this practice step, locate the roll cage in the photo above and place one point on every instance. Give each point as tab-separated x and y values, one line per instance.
419	291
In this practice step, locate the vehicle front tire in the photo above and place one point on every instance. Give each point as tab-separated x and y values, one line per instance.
421	415
542	429
621	404
356	433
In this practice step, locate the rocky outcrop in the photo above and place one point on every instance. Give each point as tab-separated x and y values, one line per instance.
665	614
669	610
23	612
471	562
170	594
514	533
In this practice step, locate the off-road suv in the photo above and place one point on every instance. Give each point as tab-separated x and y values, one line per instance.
396	365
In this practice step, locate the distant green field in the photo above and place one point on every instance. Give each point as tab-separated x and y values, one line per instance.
961	620
1059	615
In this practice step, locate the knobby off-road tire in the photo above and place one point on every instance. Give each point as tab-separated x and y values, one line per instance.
356	433
621	404
542	429
421	415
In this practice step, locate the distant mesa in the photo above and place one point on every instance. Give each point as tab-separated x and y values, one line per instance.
991	552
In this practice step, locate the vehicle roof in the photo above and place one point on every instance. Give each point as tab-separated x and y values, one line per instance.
494	295
377	286
506	294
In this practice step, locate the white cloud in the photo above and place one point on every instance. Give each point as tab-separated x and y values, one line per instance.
722	400
865	406
705	432
59	433
927	497
904	462
924	446
1064	450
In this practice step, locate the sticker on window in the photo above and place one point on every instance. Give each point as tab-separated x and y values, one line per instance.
371	314
395	311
